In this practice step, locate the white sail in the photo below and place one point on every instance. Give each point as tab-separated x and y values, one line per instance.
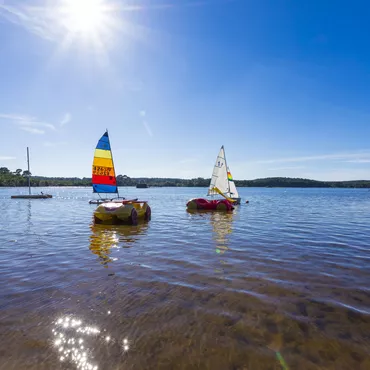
233	192
219	175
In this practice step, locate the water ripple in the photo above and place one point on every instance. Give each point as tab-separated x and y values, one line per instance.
286	275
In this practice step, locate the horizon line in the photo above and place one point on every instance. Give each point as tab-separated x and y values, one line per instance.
203	178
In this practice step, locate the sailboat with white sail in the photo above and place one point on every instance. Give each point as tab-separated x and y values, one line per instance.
222	181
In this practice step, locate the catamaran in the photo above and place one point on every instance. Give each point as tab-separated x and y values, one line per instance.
116	210
222	183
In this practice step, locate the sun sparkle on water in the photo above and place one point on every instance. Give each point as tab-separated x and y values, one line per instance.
74	342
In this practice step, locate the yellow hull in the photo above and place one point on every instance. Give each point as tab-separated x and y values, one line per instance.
112	213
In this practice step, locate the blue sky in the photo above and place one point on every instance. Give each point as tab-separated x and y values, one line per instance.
283	85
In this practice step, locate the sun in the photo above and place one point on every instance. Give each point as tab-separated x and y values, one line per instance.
84	16
89	27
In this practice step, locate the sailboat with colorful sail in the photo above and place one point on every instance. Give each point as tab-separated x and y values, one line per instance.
117	210
103	174
222	181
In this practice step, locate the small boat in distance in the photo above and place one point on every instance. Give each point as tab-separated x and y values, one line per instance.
115	211
30	196
222	183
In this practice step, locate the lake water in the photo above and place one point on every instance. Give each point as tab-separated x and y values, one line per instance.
283	282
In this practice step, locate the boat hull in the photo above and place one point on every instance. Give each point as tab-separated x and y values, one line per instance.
125	212
101	201
237	200
201	204
39	196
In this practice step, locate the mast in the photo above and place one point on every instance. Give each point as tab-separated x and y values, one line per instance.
114	168
227	167
29	174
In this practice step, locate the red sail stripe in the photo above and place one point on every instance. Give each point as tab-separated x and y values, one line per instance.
104	180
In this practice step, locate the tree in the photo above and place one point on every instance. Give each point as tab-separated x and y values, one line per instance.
26	173
18	172
4	171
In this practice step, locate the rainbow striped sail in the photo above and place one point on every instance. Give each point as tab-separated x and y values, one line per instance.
229	177
103	174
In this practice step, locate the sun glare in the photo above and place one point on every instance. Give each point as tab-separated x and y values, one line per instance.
84	16
90	27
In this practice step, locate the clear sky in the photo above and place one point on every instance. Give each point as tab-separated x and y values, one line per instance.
283	85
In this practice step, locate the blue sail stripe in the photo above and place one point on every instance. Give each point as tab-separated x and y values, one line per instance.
104	188
103	143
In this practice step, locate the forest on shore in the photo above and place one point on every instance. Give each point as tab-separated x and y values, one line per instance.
20	178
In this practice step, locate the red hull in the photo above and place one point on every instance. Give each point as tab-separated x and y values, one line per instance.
209	205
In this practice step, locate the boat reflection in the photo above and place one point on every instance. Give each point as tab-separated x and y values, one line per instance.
222	229
29	214
105	238
222	223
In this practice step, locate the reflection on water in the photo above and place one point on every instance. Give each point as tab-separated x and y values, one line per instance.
29	211
222	228
29	222
75	342
105	238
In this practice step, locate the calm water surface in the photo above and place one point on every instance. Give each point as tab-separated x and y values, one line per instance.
283	282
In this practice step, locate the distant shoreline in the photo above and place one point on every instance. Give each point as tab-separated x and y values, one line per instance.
170	186
15	180
19	178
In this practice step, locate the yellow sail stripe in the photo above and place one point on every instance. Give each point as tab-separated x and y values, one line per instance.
99	153
103	162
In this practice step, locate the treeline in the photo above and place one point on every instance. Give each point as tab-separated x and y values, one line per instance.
20	178
16	178
288	182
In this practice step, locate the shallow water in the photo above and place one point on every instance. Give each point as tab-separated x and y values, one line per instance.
283	281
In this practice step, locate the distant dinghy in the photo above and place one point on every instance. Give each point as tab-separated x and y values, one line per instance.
38	196
30	196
